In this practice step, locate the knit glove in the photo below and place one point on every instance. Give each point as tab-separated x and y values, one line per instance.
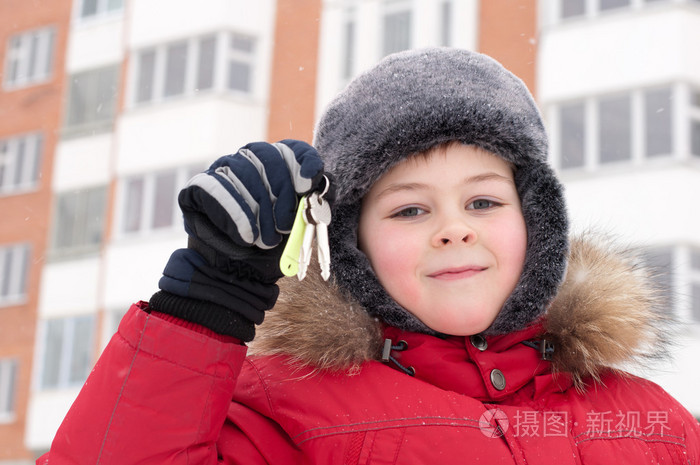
238	215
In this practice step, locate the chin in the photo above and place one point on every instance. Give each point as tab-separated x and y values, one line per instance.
461	328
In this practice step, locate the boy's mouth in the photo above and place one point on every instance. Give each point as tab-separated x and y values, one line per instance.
463	272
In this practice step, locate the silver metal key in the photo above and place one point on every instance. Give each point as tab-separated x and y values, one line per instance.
307	242
320	212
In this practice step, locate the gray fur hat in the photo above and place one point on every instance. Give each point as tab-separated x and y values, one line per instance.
410	102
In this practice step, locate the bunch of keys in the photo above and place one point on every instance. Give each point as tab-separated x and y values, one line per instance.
311	222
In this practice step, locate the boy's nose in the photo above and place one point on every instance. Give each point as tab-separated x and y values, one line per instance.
455	232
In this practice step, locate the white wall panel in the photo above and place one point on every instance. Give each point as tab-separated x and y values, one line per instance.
95	44
645	205
185	132
82	162
133	268
157	21
45	413
69	288
618	52
681	377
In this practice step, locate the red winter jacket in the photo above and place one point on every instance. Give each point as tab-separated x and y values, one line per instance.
166	393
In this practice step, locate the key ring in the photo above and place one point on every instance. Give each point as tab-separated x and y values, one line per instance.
326	188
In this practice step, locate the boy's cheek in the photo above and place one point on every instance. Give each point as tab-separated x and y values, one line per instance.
393	252
512	235
393	260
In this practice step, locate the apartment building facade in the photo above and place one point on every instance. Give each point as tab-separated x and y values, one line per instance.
138	95
619	85
31	91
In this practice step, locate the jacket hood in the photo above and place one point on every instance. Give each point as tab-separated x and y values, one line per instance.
607	315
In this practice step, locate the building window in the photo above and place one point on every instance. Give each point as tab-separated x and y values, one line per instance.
676	273
446	23
133	204
397	28
240	65
92	101
96	8
146	77
189	66
79	221
163	197
67	351
572	120
29	58
695	283
175	69
695	123
349	27
615	128
14	269
591	8
8	382
695	137
613	4
599	130
20	163
572	8
150	200
659	261
658	122
206	64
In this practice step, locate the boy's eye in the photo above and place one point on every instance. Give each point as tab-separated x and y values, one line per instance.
481	204
409	212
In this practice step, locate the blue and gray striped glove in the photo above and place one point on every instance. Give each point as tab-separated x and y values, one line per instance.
238	215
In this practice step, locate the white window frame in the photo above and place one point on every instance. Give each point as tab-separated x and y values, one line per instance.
592	9
102	11
20	169
9	368
67	352
224	54
146	229
241	56
15	261
31	53
679	114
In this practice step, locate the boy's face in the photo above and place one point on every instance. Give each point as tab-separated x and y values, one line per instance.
446	237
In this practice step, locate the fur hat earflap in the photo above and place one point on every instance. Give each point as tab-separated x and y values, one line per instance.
416	100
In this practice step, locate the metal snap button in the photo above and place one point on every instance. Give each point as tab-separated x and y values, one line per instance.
479	342
498	380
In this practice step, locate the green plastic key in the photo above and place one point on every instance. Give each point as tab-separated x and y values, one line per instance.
289	263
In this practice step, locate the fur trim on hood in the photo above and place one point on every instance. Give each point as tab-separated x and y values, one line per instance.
606	314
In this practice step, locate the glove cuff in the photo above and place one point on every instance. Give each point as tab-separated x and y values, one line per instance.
215	317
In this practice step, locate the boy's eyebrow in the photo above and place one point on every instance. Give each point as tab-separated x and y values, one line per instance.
412	186
490	176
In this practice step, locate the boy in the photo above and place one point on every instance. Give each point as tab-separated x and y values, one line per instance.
448	332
